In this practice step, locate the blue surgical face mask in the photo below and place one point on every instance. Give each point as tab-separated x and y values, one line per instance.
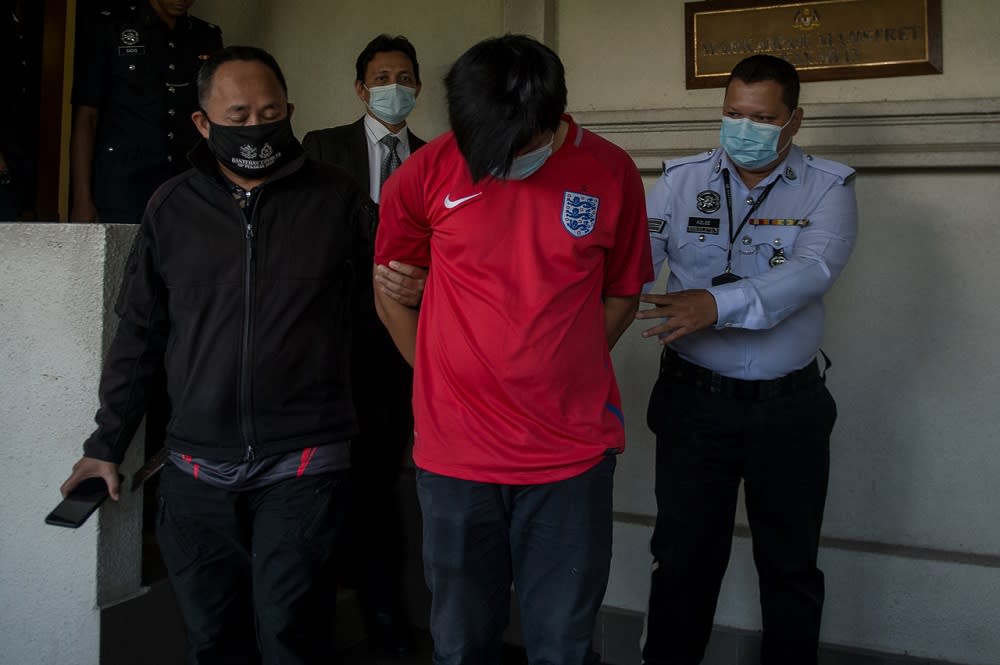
750	144
526	164
391	103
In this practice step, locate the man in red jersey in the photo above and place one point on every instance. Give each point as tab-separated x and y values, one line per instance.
534	231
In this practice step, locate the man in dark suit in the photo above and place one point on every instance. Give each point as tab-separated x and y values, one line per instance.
388	82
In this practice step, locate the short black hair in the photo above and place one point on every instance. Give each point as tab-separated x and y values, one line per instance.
501	94
229	54
763	67
385	44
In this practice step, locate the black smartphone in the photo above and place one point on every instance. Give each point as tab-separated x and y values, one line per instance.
79	504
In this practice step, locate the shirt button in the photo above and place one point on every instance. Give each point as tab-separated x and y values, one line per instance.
171	89
171	66
747	240
131	68
171	112
701	238
170	136
749	200
777	242
170	158
170	44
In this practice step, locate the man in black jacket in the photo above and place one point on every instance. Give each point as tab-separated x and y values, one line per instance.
239	283
387	82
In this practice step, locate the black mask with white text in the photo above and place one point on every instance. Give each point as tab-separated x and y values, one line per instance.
253	151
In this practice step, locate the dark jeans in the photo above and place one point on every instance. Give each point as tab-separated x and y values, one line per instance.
552	540
705	445
248	567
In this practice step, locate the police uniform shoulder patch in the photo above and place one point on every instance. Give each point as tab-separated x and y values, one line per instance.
671	164
844	173
656	225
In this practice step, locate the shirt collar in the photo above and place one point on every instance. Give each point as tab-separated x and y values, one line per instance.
790	169
376	131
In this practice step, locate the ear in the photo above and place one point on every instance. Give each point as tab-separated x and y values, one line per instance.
361	91
796	121
200	121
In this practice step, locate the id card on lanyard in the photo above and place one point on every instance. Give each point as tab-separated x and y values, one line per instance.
728	276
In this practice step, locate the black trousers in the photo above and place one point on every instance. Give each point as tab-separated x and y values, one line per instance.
382	385
553	541
705	445
249	568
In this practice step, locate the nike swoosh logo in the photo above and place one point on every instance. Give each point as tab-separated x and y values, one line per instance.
449	203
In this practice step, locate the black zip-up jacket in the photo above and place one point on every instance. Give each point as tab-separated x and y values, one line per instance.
249	319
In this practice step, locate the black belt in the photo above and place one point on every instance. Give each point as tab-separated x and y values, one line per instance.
683	371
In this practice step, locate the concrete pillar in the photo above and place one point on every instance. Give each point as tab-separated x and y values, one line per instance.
57	288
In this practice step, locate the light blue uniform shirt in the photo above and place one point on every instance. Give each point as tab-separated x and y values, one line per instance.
771	322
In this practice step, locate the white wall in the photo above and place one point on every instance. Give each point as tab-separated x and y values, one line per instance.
55	283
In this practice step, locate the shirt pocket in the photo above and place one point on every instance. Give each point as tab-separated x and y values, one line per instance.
702	255
773	245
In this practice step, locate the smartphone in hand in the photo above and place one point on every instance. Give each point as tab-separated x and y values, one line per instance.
79	504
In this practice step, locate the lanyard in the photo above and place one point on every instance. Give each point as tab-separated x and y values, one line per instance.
729	206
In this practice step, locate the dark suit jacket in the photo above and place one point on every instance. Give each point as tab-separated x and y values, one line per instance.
347	147
381	379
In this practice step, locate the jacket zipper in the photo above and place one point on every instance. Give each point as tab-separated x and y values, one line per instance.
246	405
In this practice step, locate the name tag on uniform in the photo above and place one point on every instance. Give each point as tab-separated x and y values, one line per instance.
131	50
778	222
708	225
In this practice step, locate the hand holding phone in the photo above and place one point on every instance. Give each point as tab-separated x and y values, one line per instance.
85	489
80	503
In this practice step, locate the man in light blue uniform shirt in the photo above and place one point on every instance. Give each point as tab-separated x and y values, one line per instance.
754	234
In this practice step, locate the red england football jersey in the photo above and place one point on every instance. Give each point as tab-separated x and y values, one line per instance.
513	381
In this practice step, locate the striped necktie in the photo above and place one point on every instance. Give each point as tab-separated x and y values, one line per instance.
391	160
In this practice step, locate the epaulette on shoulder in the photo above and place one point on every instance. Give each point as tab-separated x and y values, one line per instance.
844	173
202	23
689	159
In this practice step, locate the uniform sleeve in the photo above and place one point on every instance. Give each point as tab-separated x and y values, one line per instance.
90	69
629	265
658	211
818	256
404	231
135	354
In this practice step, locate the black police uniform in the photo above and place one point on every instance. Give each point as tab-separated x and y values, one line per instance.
19	75
140	74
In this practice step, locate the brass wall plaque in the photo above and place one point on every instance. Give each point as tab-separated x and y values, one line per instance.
825	39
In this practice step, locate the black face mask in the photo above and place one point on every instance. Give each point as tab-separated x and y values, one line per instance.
253	151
